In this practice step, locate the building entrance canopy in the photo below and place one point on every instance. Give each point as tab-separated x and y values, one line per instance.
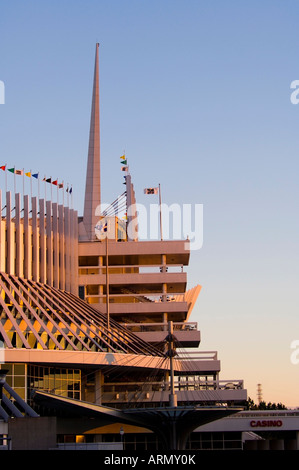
172	425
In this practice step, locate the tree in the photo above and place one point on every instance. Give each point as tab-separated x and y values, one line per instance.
250	405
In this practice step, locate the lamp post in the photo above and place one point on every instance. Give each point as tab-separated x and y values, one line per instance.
171	353
122	432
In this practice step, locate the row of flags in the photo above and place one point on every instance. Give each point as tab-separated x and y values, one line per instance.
126	168
124	162
29	174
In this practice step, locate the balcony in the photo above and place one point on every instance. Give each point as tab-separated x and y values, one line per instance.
186	334
144	252
144	278
187	390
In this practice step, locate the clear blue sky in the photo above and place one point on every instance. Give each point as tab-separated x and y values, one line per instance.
197	94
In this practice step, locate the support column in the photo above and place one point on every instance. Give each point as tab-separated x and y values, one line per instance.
49	243
164	292
171	354
35	241
43	248
67	249
9	236
27	240
101	287
55	245
76	254
19	238
99	380
61	248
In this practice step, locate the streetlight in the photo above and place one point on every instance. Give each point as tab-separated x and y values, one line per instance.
122	432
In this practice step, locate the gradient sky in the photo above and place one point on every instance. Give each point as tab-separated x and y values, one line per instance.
197	94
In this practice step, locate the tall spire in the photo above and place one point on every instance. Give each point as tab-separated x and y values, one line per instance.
93	174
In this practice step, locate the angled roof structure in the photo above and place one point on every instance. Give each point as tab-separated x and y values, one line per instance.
36	316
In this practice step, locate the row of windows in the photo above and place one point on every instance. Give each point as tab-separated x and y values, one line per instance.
23	379
148	441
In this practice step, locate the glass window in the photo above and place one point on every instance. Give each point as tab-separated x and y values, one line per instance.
19	369
64	382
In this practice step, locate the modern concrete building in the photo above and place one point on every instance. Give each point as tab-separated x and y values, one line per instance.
96	324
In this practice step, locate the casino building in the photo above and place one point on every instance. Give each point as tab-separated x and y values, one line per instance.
98	344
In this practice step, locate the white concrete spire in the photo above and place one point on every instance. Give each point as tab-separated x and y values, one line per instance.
93	174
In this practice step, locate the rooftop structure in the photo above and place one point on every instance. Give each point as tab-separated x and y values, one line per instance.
96	323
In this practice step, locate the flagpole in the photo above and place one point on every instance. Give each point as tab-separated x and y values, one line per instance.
14	174
23	182
160	203
5	177
107	282
31	183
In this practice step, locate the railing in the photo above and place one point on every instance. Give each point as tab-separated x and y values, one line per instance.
127	269
183	384
197	356
156	297
144	327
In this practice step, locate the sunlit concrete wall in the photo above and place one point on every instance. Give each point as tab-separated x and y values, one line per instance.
39	241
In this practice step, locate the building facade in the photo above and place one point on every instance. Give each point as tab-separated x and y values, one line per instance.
93	319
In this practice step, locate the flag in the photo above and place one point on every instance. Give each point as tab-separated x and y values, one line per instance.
3	167
36	175
12	170
123	157
60	185
124	168
124	162
151	190
71	190
18	172
55	182
48	180
28	174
